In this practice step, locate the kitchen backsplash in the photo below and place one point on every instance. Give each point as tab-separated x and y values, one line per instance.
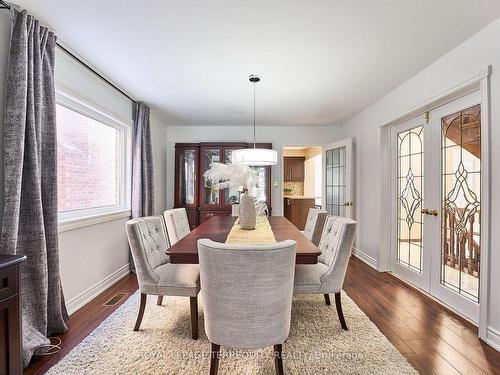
296	188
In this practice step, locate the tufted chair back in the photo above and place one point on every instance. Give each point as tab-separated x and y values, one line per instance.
247	292
314	224
177	224
148	241
336	246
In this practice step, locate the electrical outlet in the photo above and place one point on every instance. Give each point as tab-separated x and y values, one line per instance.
275	183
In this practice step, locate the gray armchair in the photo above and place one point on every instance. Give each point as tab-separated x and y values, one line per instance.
247	295
148	241
327	276
314	225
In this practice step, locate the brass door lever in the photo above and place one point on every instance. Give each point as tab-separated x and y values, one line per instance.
429	212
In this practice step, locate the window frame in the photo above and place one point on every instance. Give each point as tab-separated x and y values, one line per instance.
89	216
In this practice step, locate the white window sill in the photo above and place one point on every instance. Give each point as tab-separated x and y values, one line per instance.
80	222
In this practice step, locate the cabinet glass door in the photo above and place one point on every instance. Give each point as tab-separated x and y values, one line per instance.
260	191
186	165
231	195
209	196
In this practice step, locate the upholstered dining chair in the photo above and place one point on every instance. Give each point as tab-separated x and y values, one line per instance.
177	224
148	241
247	296
314	225
327	276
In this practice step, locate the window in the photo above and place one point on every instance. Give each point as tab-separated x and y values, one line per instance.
92	160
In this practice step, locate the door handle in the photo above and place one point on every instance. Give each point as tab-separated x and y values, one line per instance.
427	211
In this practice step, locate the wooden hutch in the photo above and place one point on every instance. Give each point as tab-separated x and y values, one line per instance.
191	192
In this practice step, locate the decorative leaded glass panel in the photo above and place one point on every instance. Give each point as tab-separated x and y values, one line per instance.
461	185
410	171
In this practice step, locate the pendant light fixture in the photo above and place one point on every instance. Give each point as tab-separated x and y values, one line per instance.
255	156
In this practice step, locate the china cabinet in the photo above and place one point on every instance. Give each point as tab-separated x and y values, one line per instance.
196	195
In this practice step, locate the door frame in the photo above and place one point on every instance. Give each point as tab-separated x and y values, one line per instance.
349	158
281	159
481	82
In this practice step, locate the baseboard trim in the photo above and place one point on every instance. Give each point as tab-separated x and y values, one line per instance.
493	338
372	262
88	295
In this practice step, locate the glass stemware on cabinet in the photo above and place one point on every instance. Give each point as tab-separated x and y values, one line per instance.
210	197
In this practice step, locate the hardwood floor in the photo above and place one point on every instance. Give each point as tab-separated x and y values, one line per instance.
84	321
433	339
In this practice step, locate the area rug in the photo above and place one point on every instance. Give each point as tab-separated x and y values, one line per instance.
316	345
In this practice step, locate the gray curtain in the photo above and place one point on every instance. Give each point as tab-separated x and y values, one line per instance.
29	225
142	167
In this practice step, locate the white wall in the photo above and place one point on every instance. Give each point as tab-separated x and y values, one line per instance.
279	136
456	67
309	177
92	257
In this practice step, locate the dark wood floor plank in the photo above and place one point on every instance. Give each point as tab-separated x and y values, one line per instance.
437	332
438	364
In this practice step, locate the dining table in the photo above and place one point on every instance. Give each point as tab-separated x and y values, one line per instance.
217	229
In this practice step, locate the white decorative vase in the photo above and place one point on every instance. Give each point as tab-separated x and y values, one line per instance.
247	211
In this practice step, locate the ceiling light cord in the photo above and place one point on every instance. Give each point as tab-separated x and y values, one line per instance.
254	115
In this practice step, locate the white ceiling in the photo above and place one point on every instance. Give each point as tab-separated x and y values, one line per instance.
320	61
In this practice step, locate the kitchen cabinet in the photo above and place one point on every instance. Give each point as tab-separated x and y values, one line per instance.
296	210
294	168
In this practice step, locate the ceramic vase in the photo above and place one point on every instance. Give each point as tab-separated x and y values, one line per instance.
247	211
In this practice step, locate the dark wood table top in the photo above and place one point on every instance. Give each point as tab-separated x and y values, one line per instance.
218	227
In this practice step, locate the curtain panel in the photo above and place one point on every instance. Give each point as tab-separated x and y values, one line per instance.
142	167
29	225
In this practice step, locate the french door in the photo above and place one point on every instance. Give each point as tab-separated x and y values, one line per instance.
436	203
338	178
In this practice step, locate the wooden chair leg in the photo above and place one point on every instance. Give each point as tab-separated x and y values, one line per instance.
160	300
278	359
193	301
214	359
338	303
141	311
327	299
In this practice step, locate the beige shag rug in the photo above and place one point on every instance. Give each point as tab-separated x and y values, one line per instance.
317	344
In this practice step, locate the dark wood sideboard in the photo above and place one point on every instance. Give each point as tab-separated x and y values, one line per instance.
192	160
10	315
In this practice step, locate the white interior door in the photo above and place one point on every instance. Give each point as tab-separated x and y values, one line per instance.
456	187
409	146
436	204
338	179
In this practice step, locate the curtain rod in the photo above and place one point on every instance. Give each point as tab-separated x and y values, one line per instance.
93	70
4	5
